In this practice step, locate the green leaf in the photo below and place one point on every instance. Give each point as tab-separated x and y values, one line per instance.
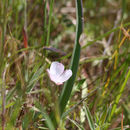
15	112
76	124
46	116
76	105
36	76
10	94
67	89
49	23
119	95
89	117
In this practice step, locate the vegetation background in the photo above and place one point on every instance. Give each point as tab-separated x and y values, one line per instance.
94	43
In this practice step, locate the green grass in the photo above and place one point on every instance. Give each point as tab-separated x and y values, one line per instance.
98	90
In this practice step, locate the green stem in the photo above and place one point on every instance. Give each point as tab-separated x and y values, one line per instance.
4	5
119	95
49	24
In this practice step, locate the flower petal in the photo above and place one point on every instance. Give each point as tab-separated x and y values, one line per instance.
56	68
65	76
53	77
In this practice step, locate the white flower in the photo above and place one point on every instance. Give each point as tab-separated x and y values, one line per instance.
57	73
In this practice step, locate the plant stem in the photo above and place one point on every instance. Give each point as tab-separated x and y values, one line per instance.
3	100
49	24
3	22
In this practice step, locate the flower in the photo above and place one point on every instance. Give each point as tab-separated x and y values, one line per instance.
57	73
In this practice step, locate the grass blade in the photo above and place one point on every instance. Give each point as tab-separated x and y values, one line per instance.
36	76
104	35
119	95
89	117
47	118
66	92
76	105
49	24
76	124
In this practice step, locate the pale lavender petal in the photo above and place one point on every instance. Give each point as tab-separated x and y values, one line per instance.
59	83
65	76
52	76
56	68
